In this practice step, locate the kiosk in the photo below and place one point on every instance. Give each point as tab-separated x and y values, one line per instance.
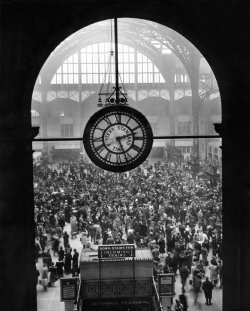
117	277
166	289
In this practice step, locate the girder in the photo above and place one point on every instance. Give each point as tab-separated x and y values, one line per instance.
151	37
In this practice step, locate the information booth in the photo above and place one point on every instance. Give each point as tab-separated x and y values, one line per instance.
117	277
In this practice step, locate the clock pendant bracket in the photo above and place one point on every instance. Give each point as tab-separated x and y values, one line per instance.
118	95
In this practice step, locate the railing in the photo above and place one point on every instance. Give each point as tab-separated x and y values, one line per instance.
156	297
79	296
117	288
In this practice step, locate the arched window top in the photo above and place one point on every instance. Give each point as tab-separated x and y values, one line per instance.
34	114
66	114
90	65
39	80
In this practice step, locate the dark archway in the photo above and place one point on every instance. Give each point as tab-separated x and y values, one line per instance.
30	31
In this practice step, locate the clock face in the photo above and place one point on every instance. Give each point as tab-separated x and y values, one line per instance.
118	138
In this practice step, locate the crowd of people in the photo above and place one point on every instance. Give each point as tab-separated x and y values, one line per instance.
168	208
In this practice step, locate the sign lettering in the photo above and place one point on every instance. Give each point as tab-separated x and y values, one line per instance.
116	251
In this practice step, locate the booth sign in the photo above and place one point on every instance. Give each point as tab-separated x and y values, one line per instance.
68	289
116	251
166	284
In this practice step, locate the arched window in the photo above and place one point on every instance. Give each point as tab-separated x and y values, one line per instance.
35	118
90	65
66	123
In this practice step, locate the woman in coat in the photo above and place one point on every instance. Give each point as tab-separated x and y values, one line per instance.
213	272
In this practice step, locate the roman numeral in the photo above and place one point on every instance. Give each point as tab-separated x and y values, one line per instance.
125	155
136	148
118	158
118	118
99	148
107	120
107	156
98	128
128	120
129	156
138	137
135	128
97	139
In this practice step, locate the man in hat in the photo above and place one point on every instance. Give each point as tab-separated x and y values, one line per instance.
207	287
183	274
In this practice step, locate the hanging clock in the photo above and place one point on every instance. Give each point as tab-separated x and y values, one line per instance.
118	138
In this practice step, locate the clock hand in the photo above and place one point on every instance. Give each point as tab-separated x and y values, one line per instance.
119	141
121	137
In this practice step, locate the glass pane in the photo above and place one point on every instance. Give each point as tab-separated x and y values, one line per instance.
76	78
65	78
70	68
84	68
75	68
95	58
65	68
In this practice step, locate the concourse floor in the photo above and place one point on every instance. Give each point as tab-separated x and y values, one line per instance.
50	300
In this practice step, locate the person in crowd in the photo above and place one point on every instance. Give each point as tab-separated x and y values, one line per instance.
183	300
75	265
204	255
47	257
65	239
38	248
53	275
59	268
207	287
67	262
61	254
213	271
220	273
184	273
196	289
178	306
175	261
162	202
161	244
38	275
84	240
44	276
55	246
110	239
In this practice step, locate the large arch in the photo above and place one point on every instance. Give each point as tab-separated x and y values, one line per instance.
204	24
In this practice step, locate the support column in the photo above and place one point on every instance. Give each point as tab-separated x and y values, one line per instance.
79	121
194	82
17	261
172	108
